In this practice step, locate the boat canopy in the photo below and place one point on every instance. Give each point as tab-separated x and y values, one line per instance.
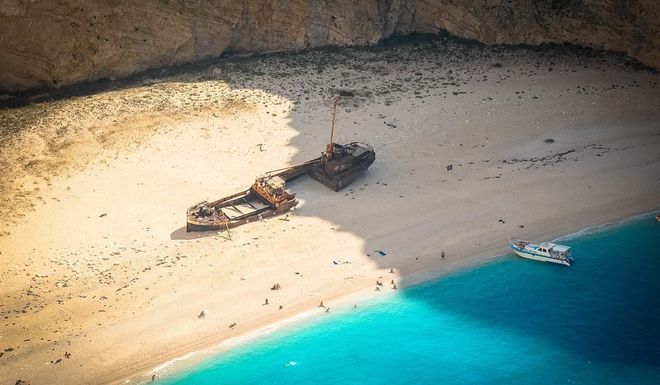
561	248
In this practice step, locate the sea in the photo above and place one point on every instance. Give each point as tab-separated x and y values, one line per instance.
508	321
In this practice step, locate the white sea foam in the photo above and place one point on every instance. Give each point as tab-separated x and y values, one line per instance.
266	329
176	363
167	364
598	228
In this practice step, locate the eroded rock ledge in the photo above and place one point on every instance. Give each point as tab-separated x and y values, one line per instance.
62	42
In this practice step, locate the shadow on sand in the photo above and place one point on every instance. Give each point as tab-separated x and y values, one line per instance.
181	234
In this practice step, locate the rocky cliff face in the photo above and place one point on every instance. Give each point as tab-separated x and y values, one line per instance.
50	43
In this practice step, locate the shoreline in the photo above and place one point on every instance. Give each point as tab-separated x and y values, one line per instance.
307	318
100	279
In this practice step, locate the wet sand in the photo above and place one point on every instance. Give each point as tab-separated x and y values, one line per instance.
96	265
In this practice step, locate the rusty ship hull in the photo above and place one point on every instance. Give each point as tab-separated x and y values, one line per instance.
258	202
346	164
233	211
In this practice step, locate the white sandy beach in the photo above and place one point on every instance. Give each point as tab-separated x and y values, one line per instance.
95	260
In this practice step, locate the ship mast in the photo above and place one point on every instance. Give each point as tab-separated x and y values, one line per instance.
328	149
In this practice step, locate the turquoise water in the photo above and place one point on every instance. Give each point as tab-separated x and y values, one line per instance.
511	321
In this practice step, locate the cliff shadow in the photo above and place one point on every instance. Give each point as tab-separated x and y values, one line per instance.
388	82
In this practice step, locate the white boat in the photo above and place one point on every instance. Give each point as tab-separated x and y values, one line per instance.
544	252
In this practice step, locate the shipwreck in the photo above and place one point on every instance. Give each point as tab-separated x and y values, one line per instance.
337	167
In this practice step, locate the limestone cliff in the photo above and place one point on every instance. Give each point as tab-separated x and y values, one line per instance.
50	43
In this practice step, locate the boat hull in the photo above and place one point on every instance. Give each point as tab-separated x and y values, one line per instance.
520	248
193	224
342	179
267	197
336	182
540	258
